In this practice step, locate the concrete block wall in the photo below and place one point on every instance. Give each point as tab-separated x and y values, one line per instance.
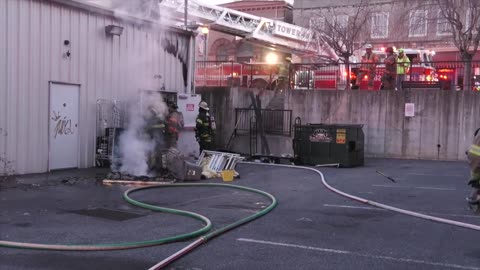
442	127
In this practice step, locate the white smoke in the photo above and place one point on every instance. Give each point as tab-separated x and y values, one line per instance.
140	9
135	144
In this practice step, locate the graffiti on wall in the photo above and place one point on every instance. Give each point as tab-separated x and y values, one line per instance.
63	125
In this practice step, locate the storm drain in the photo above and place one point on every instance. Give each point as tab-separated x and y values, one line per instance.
114	215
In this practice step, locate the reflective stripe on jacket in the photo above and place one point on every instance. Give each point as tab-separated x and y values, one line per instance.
173	123
203	127
474	156
474	150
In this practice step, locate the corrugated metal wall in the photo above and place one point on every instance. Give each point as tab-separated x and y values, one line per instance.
32	53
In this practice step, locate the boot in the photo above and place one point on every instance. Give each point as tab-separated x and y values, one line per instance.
474	197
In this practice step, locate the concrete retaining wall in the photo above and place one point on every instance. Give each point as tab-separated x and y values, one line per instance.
442	127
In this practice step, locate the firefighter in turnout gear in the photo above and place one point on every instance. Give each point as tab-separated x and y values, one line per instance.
173	125
390	73
283	75
368	67
204	128
473	155
155	129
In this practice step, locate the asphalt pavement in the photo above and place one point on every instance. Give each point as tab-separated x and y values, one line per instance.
311	228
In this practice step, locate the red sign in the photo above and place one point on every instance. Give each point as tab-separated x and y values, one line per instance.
190	107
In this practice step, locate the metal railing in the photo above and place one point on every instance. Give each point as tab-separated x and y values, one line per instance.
274	122
229	73
331	76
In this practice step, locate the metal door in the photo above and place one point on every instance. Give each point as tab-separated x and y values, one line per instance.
63	126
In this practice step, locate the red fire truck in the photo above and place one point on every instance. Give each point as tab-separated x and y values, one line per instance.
421	68
307	76
258	75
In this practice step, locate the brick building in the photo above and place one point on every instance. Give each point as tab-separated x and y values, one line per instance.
393	23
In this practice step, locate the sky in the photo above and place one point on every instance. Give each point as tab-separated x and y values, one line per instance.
218	2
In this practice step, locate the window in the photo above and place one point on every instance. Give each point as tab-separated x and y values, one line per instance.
317	23
341	21
443	26
380	25
244	52
418	23
222	53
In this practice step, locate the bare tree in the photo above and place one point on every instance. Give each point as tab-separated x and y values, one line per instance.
462	21
340	31
465	32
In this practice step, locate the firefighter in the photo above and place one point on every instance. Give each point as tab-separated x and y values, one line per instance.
403	64
368	67
283	75
474	161
390	73
173	125
155	129
204	131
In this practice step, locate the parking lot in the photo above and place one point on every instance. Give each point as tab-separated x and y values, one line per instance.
311	228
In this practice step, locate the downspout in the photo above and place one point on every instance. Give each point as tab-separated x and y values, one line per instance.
190	88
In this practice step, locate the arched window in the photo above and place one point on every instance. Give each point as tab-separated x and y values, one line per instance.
222	53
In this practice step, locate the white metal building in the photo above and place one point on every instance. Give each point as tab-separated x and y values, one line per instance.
56	60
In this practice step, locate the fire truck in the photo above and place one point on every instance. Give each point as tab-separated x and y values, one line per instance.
256	75
421	68
450	74
325	76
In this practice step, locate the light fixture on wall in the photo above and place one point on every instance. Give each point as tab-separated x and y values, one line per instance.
204	30
113	30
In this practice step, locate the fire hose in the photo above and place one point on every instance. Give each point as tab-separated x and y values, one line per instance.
202	240
139	244
204	236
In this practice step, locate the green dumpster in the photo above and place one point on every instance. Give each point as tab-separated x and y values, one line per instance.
317	144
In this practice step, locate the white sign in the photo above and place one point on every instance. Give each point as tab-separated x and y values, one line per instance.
292	31
409	109
188	106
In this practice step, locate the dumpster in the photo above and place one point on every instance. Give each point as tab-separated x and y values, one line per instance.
316	144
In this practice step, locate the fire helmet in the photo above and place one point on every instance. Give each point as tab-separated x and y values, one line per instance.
204	105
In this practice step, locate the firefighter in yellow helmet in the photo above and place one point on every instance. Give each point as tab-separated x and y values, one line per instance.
403	64
473	155
204	127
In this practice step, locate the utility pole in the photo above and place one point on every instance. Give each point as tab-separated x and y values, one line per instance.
186	14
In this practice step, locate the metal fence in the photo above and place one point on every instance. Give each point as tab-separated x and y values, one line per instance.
445	75
111	116
217	73
274	122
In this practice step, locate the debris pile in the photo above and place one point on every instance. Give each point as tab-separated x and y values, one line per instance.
166	177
